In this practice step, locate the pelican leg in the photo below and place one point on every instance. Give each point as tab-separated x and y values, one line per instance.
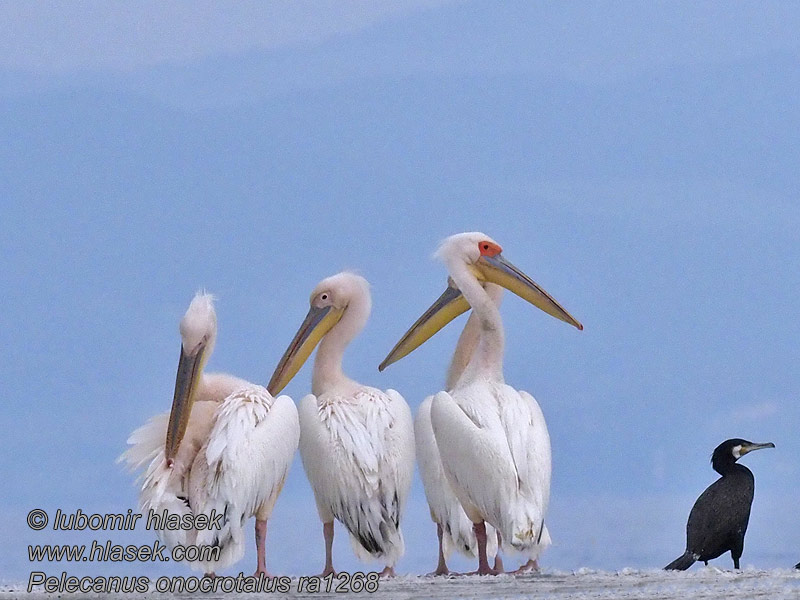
532	566
483	561
387	572
498	560
327	531
261	552
441	568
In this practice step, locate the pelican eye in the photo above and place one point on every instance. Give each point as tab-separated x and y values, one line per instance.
487	248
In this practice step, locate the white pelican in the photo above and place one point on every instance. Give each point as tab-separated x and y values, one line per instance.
492	439
453	527
225	447
357	442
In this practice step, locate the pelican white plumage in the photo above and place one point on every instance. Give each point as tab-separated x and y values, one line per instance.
225	448
453	527
492	439
356	442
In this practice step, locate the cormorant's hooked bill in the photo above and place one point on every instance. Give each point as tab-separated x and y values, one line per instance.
719	517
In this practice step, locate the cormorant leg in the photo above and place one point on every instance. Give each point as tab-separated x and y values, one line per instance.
441	568
736	552
261	539
483	562
498	560
327	531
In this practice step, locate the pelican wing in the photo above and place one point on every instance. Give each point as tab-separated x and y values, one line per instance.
530	446
444	506
475	457
358	453
400	447
529	443
243	465
481	453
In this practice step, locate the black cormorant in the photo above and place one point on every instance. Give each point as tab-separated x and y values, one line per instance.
718	520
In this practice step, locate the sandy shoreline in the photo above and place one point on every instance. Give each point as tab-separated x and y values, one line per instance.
582	584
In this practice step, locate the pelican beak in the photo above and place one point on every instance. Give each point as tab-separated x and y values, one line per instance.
449	305
750	447
317	323
190	366
497	269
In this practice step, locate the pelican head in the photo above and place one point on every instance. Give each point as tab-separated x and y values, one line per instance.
198	333
483	259
329	302
466	247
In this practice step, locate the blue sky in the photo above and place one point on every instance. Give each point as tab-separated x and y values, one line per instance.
640	162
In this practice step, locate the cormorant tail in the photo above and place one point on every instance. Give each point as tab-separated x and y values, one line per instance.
683	562
797	566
